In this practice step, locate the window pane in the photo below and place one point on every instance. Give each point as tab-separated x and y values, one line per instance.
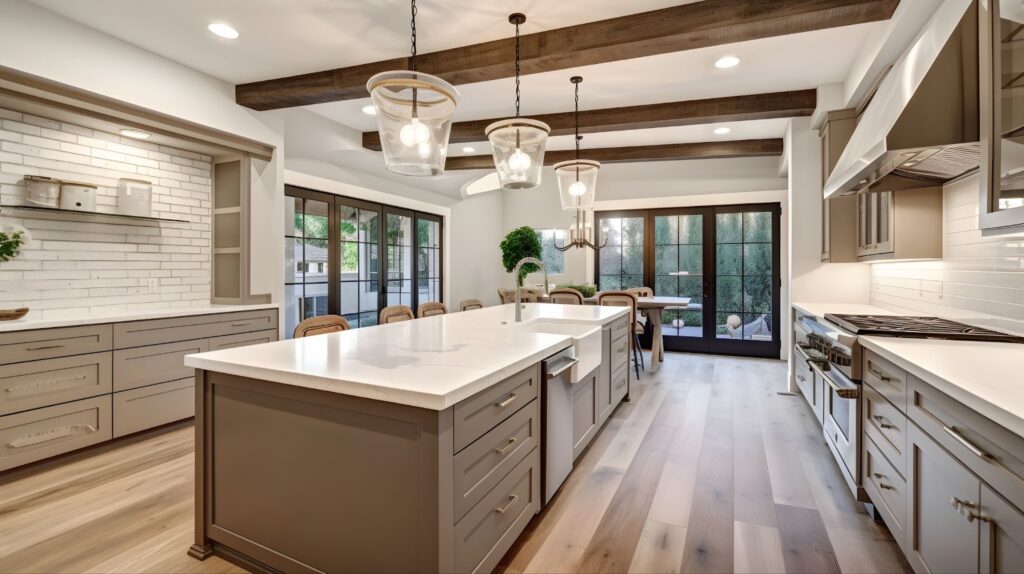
691	258
315	220
729	293
666	285
666	230
633	259
611	260
609	283
293	264
757	227
729	227
293	217
315	252
757	259
757	294
691	229
666	259
729	260
348	223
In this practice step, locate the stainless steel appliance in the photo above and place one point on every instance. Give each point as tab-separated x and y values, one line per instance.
556	430
830	350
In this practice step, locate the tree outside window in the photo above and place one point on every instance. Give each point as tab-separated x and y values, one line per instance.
554	260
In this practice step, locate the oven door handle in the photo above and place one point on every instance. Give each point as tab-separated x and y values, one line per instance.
843	391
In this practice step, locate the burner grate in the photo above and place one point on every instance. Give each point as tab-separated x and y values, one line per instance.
923	327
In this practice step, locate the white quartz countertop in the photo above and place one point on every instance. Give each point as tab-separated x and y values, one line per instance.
986	377
820	309
28	323
432	363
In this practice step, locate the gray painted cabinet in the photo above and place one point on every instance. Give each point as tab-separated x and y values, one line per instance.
65	388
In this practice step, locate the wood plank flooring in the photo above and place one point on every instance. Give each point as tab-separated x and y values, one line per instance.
706	470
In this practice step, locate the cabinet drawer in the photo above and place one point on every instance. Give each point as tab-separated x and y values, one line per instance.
140	333
484	535
804	377
242	339
34	435
885	377
485	462
887	490
22	346
986	448
485	410
148	407
620	328
620	384
619	352
25	386
154	364
584	414
887	427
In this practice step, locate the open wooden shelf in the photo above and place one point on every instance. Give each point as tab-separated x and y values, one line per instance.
91	213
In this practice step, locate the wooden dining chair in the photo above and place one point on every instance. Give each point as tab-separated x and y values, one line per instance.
641	318
321	325
566	296
527	295
431	308
625	299
396	313
470	304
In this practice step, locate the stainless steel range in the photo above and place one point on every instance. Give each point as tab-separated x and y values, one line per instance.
828	371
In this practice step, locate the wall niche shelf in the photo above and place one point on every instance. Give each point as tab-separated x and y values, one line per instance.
90	214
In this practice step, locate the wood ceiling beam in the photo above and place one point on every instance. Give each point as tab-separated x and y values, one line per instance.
673	29
669	152
688	113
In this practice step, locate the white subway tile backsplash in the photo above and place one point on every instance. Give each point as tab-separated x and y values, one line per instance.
74	266
979	280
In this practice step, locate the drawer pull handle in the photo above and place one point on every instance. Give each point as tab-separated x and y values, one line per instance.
959	505
505	448
882	375
972	516
880	418
885	486
37	384
506	402
511	500
801	378
953	432
45	347
52	434
879	476
241	324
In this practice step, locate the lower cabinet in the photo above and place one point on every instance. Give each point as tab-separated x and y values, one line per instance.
942	536
147	407
1002	534
584	413
34	435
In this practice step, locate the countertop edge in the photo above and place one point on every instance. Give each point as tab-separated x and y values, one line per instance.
988	409
19	325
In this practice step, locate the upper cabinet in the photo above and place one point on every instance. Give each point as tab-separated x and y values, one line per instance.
838	213
904	224
1001	35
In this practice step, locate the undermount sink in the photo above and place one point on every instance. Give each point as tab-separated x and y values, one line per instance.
586	342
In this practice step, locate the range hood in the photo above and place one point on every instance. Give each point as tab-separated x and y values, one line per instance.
921	127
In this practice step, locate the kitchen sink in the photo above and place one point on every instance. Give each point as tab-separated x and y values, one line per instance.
586	342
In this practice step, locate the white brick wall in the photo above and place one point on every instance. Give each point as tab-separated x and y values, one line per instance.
980	278
81	264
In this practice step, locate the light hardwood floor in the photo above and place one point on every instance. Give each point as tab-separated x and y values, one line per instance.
706	470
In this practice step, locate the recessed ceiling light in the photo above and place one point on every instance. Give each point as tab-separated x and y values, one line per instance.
468	149
223	30
370	110
722	131
727	62
135	134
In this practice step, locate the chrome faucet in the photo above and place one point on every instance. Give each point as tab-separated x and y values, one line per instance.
519	290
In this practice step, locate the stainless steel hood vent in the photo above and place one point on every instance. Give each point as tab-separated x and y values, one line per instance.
921	126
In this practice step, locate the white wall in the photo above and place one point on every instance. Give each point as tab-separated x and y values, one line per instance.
477	229
980	278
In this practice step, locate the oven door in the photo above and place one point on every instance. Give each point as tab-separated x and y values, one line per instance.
841	424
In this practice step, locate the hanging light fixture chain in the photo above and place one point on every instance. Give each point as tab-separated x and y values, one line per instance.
577	120
517	69
412	62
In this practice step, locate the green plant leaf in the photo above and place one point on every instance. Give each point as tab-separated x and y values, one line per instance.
520	243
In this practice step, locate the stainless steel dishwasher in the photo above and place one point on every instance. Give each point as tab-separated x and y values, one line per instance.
556	430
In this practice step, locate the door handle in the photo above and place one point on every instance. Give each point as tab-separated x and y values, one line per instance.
975	449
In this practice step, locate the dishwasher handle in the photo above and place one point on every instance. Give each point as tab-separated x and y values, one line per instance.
565	366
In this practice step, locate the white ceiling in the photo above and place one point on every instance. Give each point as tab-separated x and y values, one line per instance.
286	37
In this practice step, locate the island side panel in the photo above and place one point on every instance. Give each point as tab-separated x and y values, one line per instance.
202	549
306	480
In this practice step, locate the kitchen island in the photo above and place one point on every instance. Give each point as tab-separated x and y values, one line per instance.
409	447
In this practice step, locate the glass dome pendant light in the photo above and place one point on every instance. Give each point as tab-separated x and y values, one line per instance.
414	116
577	178
518	143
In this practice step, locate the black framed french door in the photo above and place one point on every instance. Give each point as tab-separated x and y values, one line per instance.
726	259
351	257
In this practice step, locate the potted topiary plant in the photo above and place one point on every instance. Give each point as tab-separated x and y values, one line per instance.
520	243
11	241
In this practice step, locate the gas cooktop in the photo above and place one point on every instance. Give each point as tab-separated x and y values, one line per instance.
918	327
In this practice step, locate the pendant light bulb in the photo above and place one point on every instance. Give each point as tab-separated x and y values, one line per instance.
519	161
423	150
577	189
414	133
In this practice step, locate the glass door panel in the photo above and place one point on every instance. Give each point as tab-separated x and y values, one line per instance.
679	271
359	262
621	262
744	254
398	252
428	266
306	260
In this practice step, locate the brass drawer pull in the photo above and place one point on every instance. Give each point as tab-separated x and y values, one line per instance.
512	441
511	500
506	402
37	384
882	375
880	418
52	434
45	347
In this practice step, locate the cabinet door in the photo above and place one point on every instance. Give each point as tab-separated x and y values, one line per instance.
584	414
604	379
884	206
1002	534
826	169
942	491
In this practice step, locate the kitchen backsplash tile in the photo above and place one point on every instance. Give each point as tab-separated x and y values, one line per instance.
81	264
979	280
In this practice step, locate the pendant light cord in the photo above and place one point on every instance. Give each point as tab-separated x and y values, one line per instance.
517	70
412	61
577	119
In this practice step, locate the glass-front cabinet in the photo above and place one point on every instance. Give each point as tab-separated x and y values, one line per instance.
874	223
1002	113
